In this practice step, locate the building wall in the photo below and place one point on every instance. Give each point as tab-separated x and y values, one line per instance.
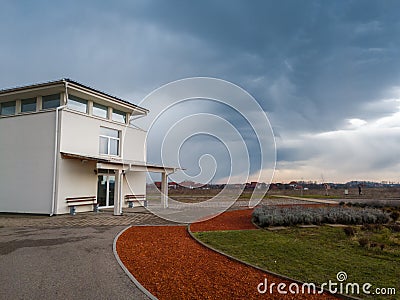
75	179
80	135
134	183
26	162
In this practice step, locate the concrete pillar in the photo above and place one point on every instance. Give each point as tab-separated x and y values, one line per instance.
90	108
18	106
164	190
118	193
39	103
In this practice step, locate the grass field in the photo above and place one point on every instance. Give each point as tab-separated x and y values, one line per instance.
368	193
317	254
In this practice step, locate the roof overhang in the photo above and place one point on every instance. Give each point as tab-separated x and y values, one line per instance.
110	163
58	86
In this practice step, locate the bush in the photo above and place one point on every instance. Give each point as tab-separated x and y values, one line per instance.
363	242
265	215
372	227
394	227
349	231
395	215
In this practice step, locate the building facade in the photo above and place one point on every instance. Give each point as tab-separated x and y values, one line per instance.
64	144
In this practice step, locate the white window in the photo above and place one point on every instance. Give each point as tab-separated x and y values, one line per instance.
28	105
100	110
77	104
8	108
109	141
119	116
51	101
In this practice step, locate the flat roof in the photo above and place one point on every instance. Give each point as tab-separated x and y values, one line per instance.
73	83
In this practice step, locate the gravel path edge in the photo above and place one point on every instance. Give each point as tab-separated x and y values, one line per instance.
129	274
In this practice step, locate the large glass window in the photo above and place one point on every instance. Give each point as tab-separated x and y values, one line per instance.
100	110
8	108
51	101
28	105
119	116
109	141
77	104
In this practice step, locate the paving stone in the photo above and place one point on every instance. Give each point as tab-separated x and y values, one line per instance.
104	218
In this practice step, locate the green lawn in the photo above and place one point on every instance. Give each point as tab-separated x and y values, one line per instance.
315	254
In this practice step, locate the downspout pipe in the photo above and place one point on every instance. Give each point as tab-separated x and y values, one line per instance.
58	109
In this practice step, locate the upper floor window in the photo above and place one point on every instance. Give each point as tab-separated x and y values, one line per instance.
28	105
77	104
119	116
100	110
109	141
8	108
51	101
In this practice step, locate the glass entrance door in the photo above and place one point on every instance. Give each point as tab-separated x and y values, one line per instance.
102	190
105	190
111	189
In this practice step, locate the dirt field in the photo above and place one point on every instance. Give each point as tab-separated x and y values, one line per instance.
367	193
198	195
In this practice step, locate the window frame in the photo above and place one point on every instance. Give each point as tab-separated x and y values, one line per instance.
72	98
109	138
118	113
100	106
32	100
48	96
8	102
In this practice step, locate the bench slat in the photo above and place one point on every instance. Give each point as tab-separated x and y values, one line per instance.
80	198
134	196
81	204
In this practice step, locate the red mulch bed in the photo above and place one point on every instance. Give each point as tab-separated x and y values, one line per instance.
229	220
171	265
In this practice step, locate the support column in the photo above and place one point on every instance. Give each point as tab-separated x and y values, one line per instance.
164	190
118	193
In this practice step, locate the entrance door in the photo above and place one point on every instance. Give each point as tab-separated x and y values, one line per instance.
111	189
105	190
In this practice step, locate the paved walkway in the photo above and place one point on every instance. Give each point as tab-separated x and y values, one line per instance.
133	216
65	257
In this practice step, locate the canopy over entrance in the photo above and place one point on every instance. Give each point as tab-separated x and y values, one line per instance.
120	168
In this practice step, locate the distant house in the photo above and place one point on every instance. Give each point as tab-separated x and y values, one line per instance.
251	185
273	186
64	144
173	185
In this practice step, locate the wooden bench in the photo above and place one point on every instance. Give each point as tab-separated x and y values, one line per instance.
73	202
131	199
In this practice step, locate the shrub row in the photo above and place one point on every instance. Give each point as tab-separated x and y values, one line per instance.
266	215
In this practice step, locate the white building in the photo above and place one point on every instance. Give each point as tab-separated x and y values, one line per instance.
64	145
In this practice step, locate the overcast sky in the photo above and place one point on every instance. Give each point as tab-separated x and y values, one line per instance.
327	73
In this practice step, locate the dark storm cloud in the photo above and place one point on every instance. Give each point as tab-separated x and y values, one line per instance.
312	65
